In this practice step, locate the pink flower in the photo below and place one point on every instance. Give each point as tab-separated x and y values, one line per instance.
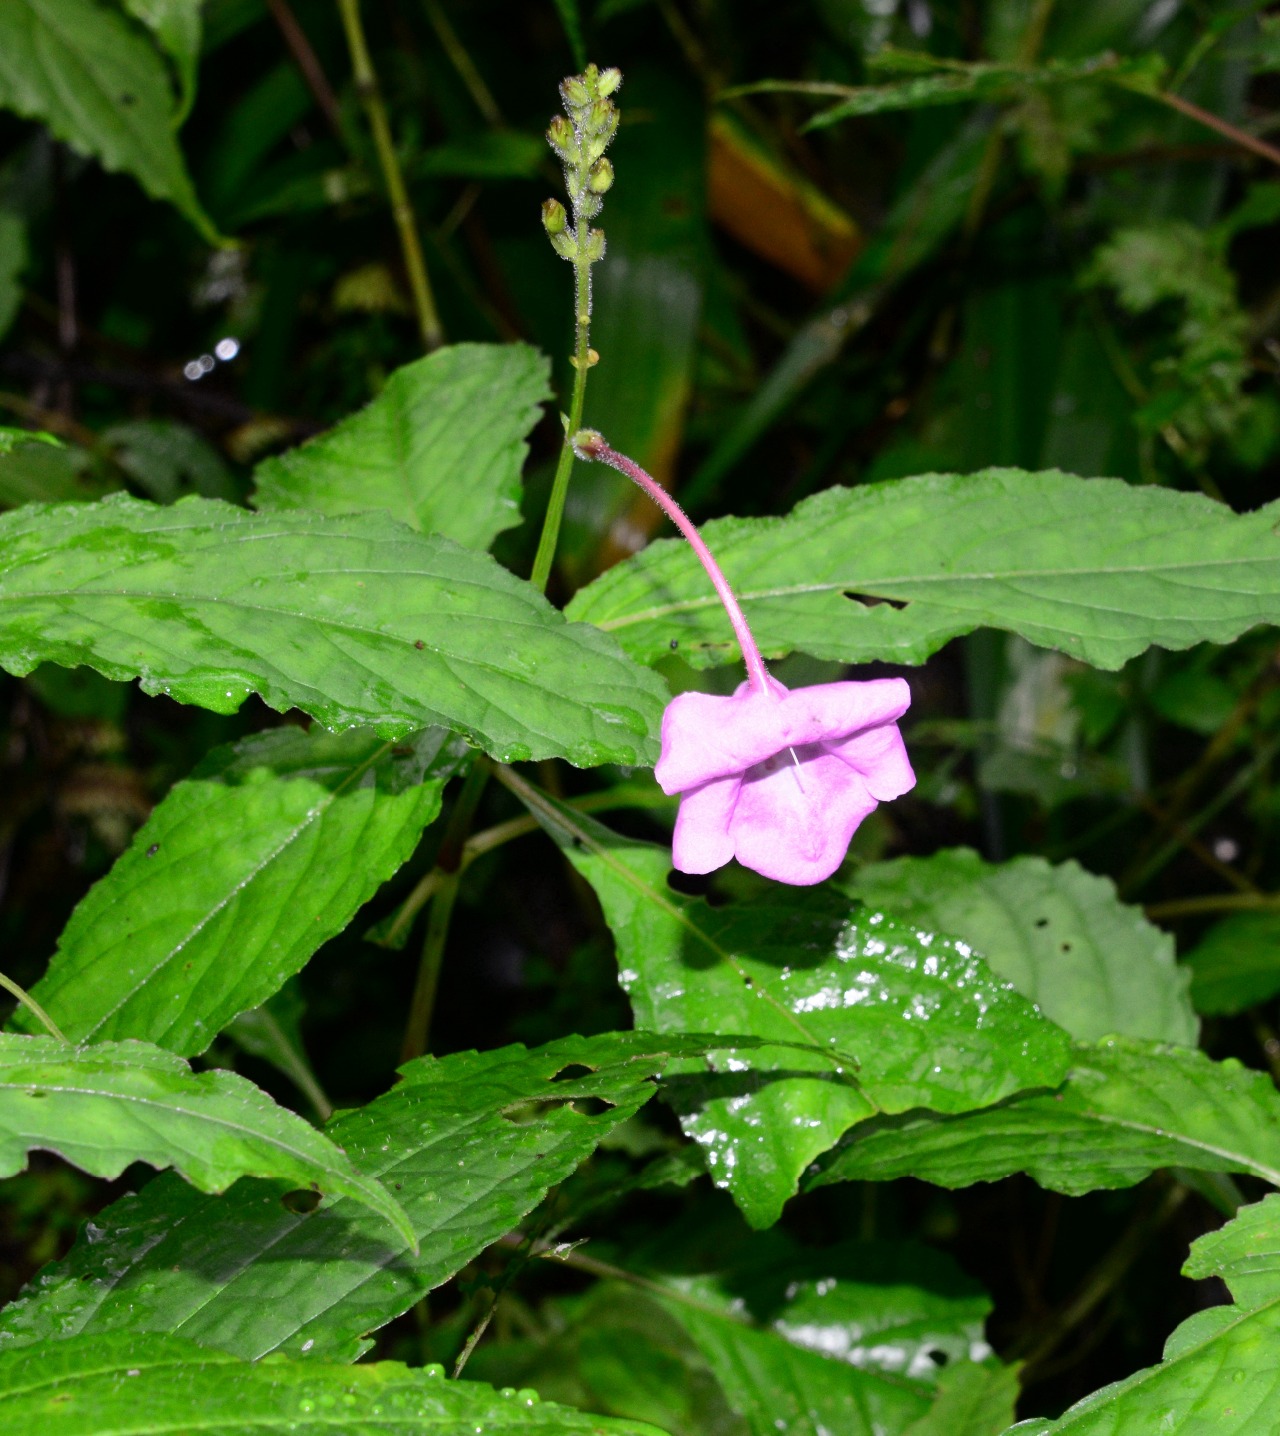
776	779
781	780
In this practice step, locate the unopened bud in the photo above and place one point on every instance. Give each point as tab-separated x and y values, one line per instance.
574	91
560	136
588	443
592	359
593	248
565	244
600	180
609	81
554	218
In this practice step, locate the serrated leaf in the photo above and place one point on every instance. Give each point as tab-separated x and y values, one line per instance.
1128	1108
238	876
1219	1373
1091	963
1236	964
140	1385
902	1019
176	25
106	1106
85	72
892	571
353	619
469	1143
441	448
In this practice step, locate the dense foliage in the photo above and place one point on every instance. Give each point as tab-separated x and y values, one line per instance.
335	882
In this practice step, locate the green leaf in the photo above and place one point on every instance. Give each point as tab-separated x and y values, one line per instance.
1219	1373
352	619
1128	1108
239	875
469	1143
441	448
105	1106
81	69
902	1020
37	468
167	459
571	19
971	1401
139	1386
845	1339
1061	935
892	571
1236	964
176	25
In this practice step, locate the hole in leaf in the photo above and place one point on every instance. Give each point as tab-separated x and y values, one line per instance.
37	1093
1042	922
300	1202
939	1358
572	1072
1066	947
869	600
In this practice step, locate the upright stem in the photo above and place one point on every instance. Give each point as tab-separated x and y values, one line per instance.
33	1006
545	556
401	210
591	446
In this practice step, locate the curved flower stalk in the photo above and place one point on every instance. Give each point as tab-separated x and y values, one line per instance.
778	779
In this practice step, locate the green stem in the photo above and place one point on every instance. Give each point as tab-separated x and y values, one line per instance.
401	210
418	1027
582	360
1212	902
29	1002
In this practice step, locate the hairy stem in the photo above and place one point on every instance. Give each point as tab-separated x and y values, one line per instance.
401	210
592	446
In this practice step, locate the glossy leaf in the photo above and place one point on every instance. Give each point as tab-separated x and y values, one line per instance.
1092	964
131	1385
1099	569
1127	1109
85	72
908	1020
239	875
469	1143
1236	964
440	448
1218	1374
106	1106
849	1338
353	619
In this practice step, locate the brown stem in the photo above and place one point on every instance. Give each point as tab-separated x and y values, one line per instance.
1216	122
308	63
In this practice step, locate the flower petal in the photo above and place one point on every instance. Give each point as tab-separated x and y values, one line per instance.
794	823
701	842
706	735
880	756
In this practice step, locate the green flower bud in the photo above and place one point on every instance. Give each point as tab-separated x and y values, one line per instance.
565	244
554	218
593	249
609	81
574	92
600	179
561	138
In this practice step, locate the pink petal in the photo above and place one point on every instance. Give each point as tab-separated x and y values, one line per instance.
706	736
701	842
795	825
880	756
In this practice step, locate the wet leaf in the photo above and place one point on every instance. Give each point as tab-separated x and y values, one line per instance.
139	1385
106	1106
1099	569
1128	1108
354	619
1091	963
909	1020
469	1143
